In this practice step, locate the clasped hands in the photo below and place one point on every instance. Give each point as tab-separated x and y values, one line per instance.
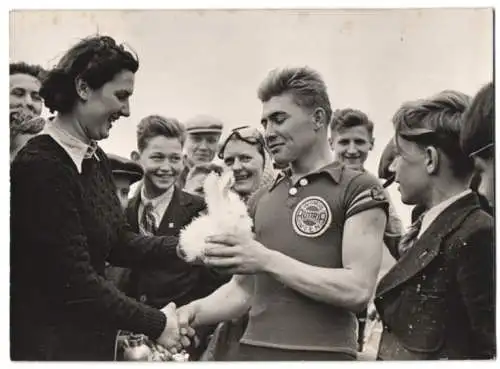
177	334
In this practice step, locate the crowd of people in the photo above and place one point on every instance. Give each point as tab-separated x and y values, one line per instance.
94	235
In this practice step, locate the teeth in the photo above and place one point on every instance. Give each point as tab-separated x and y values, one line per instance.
243	177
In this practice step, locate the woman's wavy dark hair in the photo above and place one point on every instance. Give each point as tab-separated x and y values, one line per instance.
96	60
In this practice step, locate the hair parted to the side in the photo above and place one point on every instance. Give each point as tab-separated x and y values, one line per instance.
155	125
303	83
96	60
443	114
24	68
348	118
479	123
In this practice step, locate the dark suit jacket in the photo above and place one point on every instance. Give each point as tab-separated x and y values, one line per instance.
182	282
438	301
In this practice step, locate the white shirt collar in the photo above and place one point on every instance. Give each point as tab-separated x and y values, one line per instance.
76	149
160	204
431	214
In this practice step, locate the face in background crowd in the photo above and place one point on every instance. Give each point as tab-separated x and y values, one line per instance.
352	146
243	153
201	147
351	137
203	134
90	94
160	142
477	139
485	168
122	184
24	89
125	173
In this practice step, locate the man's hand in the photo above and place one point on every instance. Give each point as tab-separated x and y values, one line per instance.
185	318
228	254
170	337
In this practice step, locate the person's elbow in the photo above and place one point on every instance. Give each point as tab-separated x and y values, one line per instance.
359	300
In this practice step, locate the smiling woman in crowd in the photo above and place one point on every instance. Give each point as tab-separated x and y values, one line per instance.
244	153
66	220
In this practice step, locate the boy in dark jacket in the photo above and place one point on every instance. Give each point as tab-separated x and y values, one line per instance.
161	208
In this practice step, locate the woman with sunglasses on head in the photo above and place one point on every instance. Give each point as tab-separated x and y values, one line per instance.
66	220
243	152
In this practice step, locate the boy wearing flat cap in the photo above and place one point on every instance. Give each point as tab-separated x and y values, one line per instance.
202	137
125	173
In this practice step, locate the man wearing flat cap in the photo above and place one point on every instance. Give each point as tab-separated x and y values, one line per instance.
203	134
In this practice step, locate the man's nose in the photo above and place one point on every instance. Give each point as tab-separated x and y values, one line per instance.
203	144
165	166
352	149
126	109
28	100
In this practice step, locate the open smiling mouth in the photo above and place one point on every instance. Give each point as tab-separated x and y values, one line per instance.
114	117
242	177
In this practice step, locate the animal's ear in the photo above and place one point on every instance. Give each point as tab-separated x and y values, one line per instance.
227	181
210	184
212	191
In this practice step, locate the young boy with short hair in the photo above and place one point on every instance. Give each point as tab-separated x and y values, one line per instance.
161	208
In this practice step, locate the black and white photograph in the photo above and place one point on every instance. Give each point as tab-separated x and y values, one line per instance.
281	184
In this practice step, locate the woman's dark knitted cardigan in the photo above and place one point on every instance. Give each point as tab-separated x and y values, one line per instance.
64	226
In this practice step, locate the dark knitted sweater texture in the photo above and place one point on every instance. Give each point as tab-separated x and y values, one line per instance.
64	226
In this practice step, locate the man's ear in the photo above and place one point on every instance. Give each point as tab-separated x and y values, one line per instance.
432	159
319	118
134	155
82	89
372	143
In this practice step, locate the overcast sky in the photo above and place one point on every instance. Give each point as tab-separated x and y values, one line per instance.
211	62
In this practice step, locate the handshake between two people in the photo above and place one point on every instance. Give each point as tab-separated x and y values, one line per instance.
178	333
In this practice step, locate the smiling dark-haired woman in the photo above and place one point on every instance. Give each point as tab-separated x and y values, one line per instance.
66	220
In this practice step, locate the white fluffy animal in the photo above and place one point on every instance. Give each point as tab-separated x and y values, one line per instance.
227	214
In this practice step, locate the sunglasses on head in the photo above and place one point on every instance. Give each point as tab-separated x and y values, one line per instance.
247	134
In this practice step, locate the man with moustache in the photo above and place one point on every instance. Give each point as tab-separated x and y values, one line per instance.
202	138
438	301
319	228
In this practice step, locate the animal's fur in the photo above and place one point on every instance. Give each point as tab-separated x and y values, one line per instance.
227	214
